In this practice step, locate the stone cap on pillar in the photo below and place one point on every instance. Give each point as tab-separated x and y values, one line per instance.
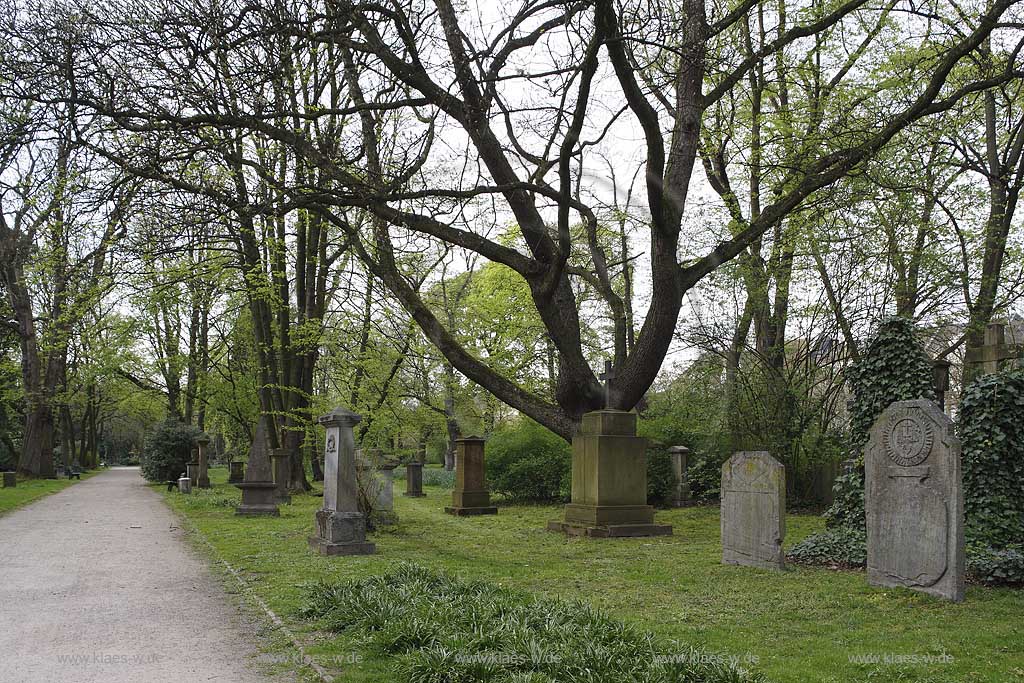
203	439
340	417
609	422
678	449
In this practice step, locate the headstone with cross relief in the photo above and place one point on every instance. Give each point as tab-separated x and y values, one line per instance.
913	497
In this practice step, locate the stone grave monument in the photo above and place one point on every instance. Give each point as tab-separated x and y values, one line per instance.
203	476
681	492
282	472
258	488
236	471
753	514
414	480
609	477
913	499
340	526
470	496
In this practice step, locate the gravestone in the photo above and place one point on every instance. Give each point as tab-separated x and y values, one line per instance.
470	496
282	472
203	476
236	471
414	480
382	495
681	491
913	498
341	527
192	468
258	488
10	480
184	484
753	512
609	480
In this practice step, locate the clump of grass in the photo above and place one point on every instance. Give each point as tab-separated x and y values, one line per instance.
436	476
440	629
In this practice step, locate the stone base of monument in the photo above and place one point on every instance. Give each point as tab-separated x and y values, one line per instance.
468	503
258	499
341	533
609	521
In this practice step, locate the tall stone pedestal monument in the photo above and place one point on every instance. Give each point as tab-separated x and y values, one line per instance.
753	513
609	480
258	487
913	498
680	471
414	480
340	526
470	496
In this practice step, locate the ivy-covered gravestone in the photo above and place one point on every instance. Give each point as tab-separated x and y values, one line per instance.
992	432
893	367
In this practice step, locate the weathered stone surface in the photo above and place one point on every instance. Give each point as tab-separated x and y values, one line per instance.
10	480
609	480
185	485
202	474
913	498
753	513
236	471
340	526
281	465
414	480
470	496
681	492
258	489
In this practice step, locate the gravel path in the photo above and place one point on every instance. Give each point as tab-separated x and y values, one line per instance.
98	584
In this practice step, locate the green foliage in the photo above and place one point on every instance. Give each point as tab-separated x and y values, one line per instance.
167	450
438	476
996	567
893	367
992	434
435	628
843	546
526	461
661	481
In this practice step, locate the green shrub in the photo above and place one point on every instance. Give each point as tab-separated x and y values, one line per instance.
438	476
167	449
661	481
525	461
435	628
996	567
842	546
992	434
893	367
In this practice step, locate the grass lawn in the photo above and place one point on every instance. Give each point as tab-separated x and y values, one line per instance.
29	490
807	624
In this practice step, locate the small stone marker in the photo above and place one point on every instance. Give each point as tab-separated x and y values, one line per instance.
184	484
341	527
753	510
913	498
609	480
470	496
681	492
203	481
282	473
258	490
10	480
236	471
414	480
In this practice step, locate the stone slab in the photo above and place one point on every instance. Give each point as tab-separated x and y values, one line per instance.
753	514
470	511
